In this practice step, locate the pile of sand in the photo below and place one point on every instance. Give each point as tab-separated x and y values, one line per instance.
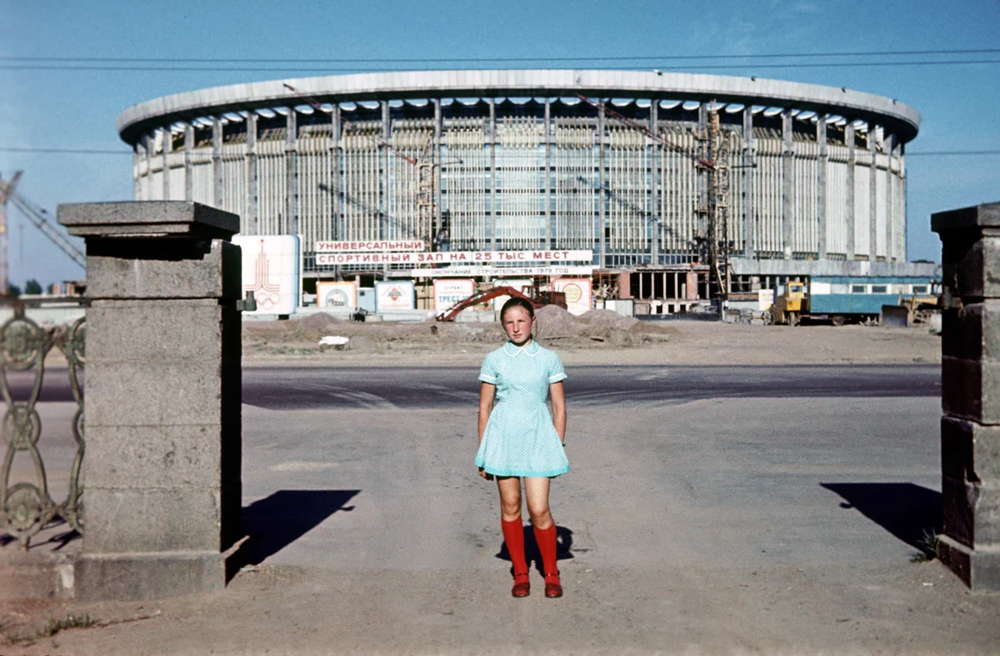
556	327
556	323
609	319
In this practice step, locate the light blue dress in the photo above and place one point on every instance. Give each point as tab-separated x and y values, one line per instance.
520	439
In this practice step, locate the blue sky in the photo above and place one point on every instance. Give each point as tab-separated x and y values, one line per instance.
77	109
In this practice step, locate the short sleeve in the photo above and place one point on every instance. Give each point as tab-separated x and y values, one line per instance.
489	373
556	372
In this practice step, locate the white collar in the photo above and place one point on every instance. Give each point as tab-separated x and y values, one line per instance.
531	350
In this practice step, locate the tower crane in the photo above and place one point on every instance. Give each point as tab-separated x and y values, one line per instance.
713	157
427	179
36	216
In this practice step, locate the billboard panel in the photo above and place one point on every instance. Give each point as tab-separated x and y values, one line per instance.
337	294
579	294
271	270
395	295
449	291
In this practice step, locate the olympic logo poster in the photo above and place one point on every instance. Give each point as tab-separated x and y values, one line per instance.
579	294
337	294
271	270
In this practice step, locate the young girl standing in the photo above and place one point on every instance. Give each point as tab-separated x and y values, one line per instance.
518	438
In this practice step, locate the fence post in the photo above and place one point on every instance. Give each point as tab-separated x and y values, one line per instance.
163	466
970	427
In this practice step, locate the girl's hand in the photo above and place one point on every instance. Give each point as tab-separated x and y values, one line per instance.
482	473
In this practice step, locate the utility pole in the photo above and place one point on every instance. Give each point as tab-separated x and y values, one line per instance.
6	190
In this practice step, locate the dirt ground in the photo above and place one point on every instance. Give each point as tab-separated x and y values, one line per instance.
601	337
662	588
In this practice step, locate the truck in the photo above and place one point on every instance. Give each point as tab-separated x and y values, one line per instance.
849	299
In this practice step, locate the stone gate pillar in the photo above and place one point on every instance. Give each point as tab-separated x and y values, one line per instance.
970	427
162	473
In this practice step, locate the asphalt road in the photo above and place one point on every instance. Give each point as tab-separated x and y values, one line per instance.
302	388
444	387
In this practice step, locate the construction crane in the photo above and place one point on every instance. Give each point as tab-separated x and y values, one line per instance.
36	215
713	158
427	179
6	190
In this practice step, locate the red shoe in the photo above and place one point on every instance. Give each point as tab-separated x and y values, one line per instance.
553	586
522	587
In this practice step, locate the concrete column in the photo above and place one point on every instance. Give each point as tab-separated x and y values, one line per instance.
338	229
656	170
137	158
702	172
150	144
849	214
970	377
824	157
691	285
291	173
548	229
217	162
900	230
163	462
436	172
492	129
787	186
188	164
168	147
383	197
749	160
890	144
252	218
602	186
872	195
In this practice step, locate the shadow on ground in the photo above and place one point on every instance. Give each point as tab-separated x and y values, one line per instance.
564	542
910	512
282	518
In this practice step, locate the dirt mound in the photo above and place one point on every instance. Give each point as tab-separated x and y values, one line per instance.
318	321
555	322
609	318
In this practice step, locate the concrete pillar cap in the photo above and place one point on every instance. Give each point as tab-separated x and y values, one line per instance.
986	215
147	219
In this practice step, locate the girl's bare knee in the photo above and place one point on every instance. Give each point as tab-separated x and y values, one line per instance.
540	517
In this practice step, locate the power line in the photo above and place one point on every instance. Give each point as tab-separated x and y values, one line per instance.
948	153
94	151
62	151
866	53
245	69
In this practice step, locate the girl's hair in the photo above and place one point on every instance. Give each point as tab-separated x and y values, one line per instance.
514	302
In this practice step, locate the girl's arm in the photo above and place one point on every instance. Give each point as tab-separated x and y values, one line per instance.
486	394
558	396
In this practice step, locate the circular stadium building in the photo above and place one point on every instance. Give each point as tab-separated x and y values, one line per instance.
665	187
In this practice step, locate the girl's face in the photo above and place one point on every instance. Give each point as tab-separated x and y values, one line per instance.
517	324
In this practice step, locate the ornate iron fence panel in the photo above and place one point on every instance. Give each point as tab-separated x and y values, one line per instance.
26	507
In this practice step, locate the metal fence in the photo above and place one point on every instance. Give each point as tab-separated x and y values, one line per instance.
27	506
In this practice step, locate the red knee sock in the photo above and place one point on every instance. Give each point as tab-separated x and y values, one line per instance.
546	539
513	536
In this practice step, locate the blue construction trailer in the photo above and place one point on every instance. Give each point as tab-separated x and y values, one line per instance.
843	299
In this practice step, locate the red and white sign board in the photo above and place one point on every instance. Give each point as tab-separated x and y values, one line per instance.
395	295
579	294
448	292
369	246
271	270
516	283
337	294
465	258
